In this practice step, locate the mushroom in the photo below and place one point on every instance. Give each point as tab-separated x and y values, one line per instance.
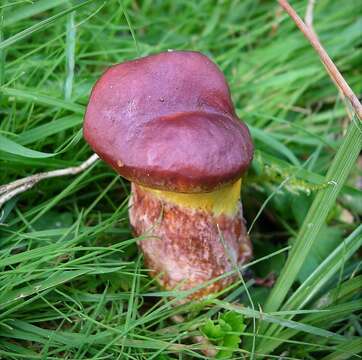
166	123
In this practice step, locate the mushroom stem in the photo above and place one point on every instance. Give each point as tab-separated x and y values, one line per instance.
189	234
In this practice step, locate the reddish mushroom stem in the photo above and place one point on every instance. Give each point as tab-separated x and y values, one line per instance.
190	242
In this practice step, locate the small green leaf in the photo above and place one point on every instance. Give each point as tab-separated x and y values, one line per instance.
235	320
212	331
225	327
225	332
231	343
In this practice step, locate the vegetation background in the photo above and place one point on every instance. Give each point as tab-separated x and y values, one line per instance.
72	283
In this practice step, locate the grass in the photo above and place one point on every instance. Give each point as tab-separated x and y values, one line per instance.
72	283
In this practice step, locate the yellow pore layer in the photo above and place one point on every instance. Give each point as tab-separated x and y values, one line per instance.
223	201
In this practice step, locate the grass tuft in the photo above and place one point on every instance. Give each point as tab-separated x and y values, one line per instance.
72	283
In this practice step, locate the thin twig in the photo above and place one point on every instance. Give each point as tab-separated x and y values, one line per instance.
21	185
309	14
326	60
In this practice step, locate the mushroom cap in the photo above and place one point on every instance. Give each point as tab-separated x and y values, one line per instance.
167	121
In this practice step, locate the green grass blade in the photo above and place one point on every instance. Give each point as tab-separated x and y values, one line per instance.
273	319
346	290
46	130
28	95
325	271
338	172
11	147
274	144
52	281
70	56
32	9
322	319
39	26
318	279
346	351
